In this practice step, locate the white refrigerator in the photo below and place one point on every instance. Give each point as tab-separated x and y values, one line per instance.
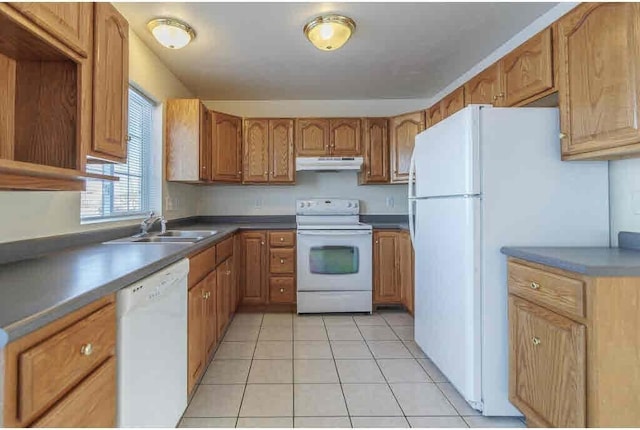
486	178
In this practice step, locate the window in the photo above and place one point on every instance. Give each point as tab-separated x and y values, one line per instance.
131	194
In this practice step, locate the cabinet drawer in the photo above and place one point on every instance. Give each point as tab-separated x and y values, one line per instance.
547	367
282	238
52	367
282	289
91	404
548	289
201	264
282	260
224	250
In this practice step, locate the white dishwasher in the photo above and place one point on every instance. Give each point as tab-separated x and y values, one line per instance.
152	349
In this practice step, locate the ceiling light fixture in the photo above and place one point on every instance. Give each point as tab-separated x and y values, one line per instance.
171	33
329	32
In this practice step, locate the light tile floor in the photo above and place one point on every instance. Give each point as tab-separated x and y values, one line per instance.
284	370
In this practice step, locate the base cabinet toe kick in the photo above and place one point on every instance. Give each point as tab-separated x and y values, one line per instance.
573	347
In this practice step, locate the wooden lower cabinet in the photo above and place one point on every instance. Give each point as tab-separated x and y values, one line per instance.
64	374
392	268
569	366
254	267
196	335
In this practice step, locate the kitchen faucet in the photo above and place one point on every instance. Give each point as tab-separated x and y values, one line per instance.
148	222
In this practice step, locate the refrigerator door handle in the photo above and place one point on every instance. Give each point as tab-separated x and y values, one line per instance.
411	198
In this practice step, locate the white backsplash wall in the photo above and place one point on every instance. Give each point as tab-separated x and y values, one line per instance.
624	196
280	199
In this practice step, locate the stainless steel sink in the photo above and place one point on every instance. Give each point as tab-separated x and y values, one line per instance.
170	236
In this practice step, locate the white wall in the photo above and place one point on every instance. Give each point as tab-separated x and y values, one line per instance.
280	200
29	214
624	196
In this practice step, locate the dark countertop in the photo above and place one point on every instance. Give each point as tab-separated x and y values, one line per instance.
390	225
36	291
589	261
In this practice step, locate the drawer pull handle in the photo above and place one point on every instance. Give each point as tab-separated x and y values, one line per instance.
282	261
228	272
282	239
282	290
86	349
535	340
534	286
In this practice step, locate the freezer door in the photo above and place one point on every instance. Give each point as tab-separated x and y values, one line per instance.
446	156
447	289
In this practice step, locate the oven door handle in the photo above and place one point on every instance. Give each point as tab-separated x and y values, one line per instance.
334	232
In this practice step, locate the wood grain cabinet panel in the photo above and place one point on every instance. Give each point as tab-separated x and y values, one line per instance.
281	152
403	131
345	137
196	335
406	269
91	404
433	115
110	82
312	137
282	289
375	137
386	272
284	238
254	267
223	292
282	260
210	313
599	88
452	103
548	370
70	22
527	70
226	148
256	151
187	140
484	88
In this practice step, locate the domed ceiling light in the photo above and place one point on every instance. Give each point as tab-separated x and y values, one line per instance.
171	33
329	32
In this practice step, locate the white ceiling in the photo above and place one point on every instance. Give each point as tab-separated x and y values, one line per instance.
257	51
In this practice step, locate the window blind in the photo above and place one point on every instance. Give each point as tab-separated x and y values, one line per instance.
131	194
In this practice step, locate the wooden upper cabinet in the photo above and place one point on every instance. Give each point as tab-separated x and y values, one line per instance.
434	115
386	274
375	137
527	71
226	148
452	103
256	151
312	137
599	80
281	151
70	22
110	82
187	140
345	137
484	88
254	267
547	365
403	130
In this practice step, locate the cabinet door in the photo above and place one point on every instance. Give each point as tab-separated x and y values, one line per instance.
376	151
345	137
452	103
195	335
386	279
69	22
229	267
222	300
312	137
226	146
434	115
406	270
484	88
281	151
256	151
188	150
404	129
204	140
527	70
599	80
547	365
209	319
110	81
254	286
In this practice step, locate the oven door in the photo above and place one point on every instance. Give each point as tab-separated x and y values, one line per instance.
334	260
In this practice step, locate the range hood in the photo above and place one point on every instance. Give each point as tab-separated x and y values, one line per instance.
328	163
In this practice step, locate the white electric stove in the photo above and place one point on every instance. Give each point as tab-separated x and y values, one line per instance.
334	259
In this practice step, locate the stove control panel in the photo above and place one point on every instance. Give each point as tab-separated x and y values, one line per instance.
328	207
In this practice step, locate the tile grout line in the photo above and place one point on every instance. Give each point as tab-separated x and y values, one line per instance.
246	381
346	405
